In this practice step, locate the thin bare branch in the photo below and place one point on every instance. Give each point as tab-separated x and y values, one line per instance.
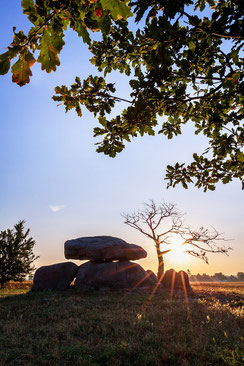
165	220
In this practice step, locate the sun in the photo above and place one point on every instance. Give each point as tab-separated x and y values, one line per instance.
178	253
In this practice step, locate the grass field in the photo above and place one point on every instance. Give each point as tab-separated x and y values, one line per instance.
129	329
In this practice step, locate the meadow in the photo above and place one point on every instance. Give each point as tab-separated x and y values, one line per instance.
122	328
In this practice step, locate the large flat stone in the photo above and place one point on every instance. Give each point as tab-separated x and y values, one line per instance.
112	275
55	277
99	248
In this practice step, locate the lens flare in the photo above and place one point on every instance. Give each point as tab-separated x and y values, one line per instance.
178	253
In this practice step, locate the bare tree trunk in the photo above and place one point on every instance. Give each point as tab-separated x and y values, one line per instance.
150	222
160	269
160	263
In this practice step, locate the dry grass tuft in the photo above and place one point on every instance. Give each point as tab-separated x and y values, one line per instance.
117	329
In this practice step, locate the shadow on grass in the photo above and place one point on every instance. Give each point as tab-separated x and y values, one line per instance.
119	329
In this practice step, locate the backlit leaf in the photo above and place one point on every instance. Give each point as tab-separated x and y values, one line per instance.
21	69
50	46
4	63
119	10
82	32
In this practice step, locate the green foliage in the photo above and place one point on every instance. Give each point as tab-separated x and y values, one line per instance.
21	69
184	61
117	9
50	46
16	255
50	18
4	63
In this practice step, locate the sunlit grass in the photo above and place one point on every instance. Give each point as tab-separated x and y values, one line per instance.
101	328
14	288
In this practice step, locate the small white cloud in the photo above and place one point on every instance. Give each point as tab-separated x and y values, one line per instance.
56	208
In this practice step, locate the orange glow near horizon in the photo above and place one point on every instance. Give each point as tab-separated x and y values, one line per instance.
178	253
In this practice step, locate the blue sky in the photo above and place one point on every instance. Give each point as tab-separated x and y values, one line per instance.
52	177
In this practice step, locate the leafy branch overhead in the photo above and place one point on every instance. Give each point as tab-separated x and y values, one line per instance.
184	63
50	18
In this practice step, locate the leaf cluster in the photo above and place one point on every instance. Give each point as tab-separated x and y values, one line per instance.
184	62
185	68
50	19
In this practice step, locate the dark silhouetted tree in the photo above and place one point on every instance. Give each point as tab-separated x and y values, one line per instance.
16	254
162	222
240	276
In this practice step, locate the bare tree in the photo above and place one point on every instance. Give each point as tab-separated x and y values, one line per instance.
161	222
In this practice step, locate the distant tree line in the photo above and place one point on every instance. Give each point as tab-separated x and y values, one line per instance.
218	277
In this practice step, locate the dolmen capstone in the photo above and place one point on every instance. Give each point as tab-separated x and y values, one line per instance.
55	277
102	248
109	263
